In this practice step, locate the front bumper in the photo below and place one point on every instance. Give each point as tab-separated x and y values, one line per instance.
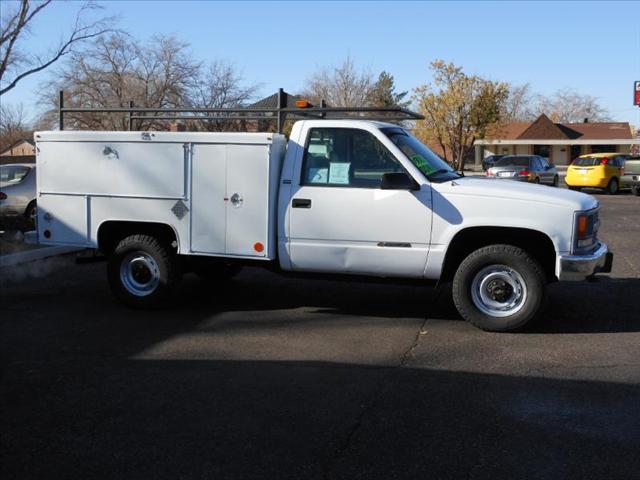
579	267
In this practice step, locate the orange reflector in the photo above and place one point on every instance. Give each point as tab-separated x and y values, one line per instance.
302	104
582	226
258	247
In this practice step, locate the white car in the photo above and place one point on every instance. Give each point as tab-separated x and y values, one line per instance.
347	197
18	192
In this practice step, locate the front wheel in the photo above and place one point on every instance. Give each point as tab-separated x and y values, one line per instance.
636	190
499	288
556	181
143	272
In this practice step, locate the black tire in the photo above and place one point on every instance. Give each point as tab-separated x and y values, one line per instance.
500	256
613	187
166	273
575	189
30	214
556	181
636	190
536	180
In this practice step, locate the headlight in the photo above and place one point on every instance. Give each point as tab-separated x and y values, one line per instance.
585	229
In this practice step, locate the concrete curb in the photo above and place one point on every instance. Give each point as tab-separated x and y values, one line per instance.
33	255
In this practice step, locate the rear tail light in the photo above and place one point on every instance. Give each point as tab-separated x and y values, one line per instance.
604	161
524	173
3	196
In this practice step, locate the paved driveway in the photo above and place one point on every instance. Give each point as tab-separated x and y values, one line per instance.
273	377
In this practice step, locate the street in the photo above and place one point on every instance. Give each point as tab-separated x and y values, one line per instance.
276	377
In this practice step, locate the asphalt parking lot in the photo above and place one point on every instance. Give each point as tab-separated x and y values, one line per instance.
272	377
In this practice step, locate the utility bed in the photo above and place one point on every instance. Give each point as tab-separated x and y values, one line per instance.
218	191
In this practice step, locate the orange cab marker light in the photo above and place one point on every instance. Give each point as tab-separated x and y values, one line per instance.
302	103
582	226
258	247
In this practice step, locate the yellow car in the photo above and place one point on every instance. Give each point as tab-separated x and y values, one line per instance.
596	170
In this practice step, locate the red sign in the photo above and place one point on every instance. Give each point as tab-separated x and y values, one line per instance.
636	93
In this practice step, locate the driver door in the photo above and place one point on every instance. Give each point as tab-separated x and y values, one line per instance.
341	221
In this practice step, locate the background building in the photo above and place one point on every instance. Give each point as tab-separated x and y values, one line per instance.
559	142
22	151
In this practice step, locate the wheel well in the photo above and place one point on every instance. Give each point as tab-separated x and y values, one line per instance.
470	239
32	202
111	232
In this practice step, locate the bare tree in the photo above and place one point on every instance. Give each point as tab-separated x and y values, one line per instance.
118	69
519	105
220	86
342	86
17	63
569	106
13	124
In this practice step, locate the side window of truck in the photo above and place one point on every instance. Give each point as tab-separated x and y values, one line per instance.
345	157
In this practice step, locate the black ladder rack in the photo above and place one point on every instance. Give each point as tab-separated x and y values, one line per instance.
278	114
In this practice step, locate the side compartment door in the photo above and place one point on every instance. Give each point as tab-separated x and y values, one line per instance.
247	200
208	216
340	219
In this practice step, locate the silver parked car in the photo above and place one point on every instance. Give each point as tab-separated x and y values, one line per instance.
18	192
631	177
525	168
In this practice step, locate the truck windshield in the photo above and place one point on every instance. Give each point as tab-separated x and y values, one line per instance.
431	165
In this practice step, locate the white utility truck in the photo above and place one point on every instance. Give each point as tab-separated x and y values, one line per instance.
340	197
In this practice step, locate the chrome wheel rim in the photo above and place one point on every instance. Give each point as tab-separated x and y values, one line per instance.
498	291
139	274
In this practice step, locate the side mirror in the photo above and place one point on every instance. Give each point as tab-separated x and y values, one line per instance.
398	181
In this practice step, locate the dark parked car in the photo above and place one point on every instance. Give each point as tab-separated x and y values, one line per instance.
489	161
631	177
525	168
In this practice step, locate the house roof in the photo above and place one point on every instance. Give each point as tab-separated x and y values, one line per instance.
272	101
7	151
544	129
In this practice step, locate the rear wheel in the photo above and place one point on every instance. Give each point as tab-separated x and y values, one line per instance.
537	180
143	272
556	181
499	288
612	187
636	190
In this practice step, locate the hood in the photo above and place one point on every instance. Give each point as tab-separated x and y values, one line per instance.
507	189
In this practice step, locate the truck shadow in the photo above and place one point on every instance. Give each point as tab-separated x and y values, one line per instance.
607	305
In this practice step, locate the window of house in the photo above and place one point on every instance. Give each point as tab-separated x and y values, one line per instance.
603	148
346	157
542	150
